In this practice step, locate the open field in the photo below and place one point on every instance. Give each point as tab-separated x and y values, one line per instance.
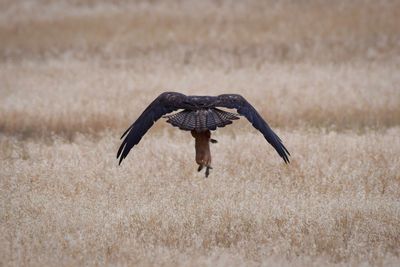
325	75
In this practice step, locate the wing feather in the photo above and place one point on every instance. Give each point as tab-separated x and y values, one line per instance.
163	104
246	109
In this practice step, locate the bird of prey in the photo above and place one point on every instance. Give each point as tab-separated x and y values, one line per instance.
200	115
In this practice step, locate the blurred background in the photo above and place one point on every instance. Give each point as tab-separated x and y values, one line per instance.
317	63
223	34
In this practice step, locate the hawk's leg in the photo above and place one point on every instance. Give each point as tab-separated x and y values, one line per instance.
200	167
208	168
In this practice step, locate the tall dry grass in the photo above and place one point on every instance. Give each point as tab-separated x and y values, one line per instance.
73	97
68	202
75	74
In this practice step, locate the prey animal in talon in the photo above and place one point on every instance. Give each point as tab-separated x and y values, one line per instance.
202	146
200	115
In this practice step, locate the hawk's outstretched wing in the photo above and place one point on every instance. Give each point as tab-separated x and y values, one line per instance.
246	109
163	104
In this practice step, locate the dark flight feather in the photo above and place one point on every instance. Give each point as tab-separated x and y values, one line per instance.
163	104
246	109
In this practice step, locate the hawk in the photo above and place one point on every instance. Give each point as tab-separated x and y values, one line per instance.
199	115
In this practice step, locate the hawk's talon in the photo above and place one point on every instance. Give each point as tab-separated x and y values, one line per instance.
208	168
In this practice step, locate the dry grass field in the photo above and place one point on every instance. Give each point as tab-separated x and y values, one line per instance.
75	74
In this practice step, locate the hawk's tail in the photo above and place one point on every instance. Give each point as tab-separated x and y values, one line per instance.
202	119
